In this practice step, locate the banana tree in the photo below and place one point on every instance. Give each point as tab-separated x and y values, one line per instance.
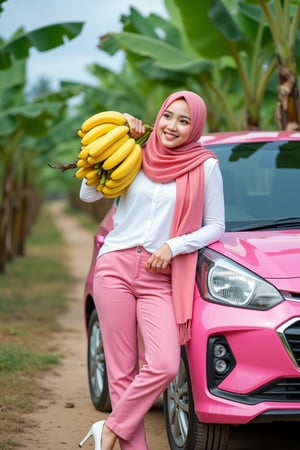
227	38
168	60
19	119
283	18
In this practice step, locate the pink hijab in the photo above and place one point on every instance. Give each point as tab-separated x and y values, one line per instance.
185	165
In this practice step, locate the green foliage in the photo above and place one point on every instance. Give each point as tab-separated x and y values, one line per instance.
166	56
14	358
1	3
225	51
31	118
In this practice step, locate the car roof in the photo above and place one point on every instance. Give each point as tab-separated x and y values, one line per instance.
249	136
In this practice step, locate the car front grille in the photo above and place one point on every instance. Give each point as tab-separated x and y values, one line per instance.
292	335
289	334
285	389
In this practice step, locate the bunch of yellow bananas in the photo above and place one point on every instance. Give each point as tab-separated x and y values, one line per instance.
109	158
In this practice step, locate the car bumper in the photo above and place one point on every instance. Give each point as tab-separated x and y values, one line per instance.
262	382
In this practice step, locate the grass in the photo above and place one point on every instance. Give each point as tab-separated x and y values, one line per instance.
34	293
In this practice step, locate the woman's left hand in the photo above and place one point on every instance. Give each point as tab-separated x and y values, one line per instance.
160	259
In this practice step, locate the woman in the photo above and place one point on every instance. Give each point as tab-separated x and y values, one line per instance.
145	272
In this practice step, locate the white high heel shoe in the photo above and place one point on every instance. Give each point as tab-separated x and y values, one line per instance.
96	432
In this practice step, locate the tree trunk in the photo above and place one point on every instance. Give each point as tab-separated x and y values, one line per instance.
288	108
2	240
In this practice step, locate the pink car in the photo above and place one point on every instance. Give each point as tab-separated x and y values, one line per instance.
243	362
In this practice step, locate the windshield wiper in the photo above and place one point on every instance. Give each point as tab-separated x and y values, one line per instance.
270	224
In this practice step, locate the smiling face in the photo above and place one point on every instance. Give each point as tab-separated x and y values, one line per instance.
174	126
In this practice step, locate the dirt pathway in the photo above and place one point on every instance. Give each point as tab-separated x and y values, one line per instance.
66	412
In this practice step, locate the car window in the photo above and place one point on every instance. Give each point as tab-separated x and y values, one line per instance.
261	181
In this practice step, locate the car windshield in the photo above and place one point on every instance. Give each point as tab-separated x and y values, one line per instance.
261	184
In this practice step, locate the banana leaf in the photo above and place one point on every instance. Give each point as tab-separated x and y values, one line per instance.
43	39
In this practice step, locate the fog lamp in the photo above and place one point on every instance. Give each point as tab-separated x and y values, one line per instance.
219	350
220	366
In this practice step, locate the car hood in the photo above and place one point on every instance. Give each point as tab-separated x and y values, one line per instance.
270	254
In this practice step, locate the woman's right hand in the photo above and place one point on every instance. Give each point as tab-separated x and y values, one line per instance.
136	126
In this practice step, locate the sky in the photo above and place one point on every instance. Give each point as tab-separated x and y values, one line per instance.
68	62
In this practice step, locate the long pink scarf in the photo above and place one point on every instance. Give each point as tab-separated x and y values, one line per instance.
185	165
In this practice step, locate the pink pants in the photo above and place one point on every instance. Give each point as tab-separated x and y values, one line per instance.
130	298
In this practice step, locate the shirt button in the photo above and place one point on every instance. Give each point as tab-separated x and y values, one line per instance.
139	249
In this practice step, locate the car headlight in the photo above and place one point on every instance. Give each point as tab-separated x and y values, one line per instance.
220	280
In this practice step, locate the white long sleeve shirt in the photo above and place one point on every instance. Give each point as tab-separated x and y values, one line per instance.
144	214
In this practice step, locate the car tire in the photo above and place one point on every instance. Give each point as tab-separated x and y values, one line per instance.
184	430
97	375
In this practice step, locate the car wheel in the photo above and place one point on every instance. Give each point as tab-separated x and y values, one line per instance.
97	374
184	430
